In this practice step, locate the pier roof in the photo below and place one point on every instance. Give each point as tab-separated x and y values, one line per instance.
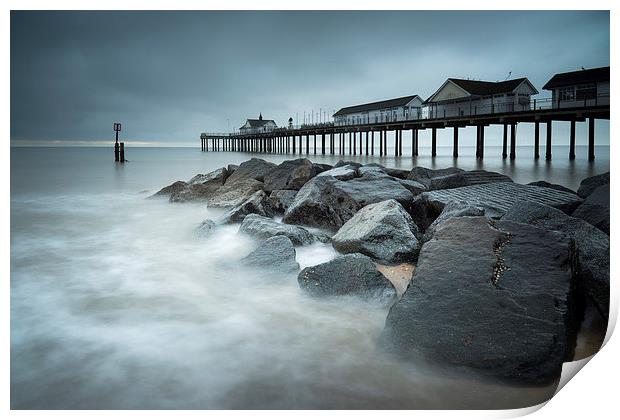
371	106
256	123
483	88
570	78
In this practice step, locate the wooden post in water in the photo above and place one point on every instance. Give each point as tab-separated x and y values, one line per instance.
548	151
354	143
361	143
434	142
591	139
323	143
455	142
372	142
381	143
536	140
395	142
513	141
366	143
122	152
482	142
117	128
571	149
477	142
505	142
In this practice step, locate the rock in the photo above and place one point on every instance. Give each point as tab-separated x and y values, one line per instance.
232	168
397	173
342	173
194	192
588	185
206	228
262	227
321	167
371	168
424	175
217	177
341	163
595	210
280	200
233	194
497	297
328	203
414	187
592	246
495	198
175	187
449	211
257	203
253	169
383	231
289	175
553	186
465	178
352	274
276	253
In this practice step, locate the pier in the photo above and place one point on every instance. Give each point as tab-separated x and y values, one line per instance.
361	139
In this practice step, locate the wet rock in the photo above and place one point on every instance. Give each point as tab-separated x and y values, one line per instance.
592	246
449	211
342	173
206	228
352	274
175	187
341	163
289	175
595	210
217	177
328	203
397	173
495	198
194	192
231	168
257	203
233	194
263	227
553	186
383	231
588	185
493	296
276	253
321	167
466	178
424	175
253	169
414	187
281	200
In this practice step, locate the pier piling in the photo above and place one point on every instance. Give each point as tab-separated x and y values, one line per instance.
548	149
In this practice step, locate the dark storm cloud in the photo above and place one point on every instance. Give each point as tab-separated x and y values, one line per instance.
170	75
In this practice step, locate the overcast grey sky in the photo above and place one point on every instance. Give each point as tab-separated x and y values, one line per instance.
170	75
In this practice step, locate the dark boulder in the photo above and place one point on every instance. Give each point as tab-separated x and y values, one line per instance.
424	175
595	210
383	231
341	173
217	177
588	185
466	178
592	246
553	186
233	194
449	211
321	167
341	163
261	227
253	169
352	274
414	187
175	187
276	253
289	175
231	168
257	203
193	192
493	296
281	200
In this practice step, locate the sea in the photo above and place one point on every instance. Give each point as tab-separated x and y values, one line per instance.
116	303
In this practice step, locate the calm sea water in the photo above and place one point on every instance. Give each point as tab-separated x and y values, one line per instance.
115	303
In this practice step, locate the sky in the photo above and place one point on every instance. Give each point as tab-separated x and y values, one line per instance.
168	76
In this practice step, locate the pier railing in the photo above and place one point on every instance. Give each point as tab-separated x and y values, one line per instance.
441	111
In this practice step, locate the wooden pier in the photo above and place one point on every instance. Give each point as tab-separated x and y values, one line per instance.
322	138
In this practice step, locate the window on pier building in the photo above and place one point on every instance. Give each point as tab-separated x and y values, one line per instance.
567	94
587	91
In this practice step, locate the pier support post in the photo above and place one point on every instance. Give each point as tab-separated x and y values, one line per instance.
434	142
505	142
122	152
323	144
591	139
482	142
455	143
367	143
571	147
307	144
385	143
395	142
416	151
315	144
381	143
513	141
400	142
354	143
548	151
477	142
350	144
536	140
372	143
361	142
294	145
